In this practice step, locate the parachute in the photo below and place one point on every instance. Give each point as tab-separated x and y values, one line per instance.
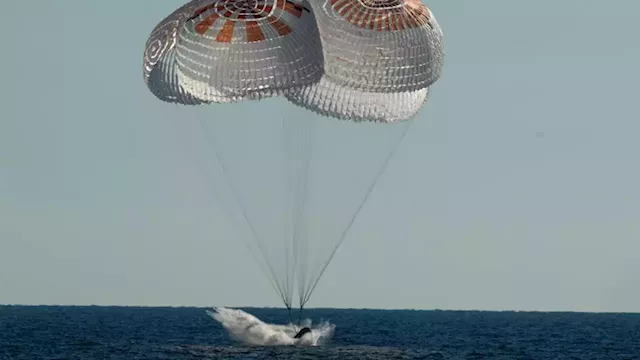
363	67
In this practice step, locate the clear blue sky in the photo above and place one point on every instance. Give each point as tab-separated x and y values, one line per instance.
517	188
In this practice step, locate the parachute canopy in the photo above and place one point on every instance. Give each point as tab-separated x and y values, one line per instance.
348	59
300	183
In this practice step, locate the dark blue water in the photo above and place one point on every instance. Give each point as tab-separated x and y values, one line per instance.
189	333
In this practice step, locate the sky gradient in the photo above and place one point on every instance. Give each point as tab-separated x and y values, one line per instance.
517	187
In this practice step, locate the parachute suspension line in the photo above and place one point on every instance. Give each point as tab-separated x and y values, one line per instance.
301	227
273	278
290	316
298	132
286	239
355	215
287	218
207	177
285	235
300	315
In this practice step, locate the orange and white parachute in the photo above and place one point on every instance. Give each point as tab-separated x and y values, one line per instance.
371	62
349	59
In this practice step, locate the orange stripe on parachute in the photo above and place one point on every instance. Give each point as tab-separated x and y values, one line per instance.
226	33
254	33
411	14
345	9
206	24
293	10
281	27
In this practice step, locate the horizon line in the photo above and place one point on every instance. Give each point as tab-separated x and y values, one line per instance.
327	308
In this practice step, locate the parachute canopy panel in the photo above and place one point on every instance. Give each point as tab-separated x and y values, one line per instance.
380	45
159	66
231	50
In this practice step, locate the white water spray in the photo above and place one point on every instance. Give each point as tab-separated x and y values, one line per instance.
250	330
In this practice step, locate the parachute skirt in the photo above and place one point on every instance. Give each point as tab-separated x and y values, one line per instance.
345	103
164	83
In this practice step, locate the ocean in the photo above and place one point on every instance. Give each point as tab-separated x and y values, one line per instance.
96	332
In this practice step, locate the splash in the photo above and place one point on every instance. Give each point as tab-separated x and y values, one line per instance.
250	330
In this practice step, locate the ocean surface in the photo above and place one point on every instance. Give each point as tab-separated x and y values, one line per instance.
67	332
